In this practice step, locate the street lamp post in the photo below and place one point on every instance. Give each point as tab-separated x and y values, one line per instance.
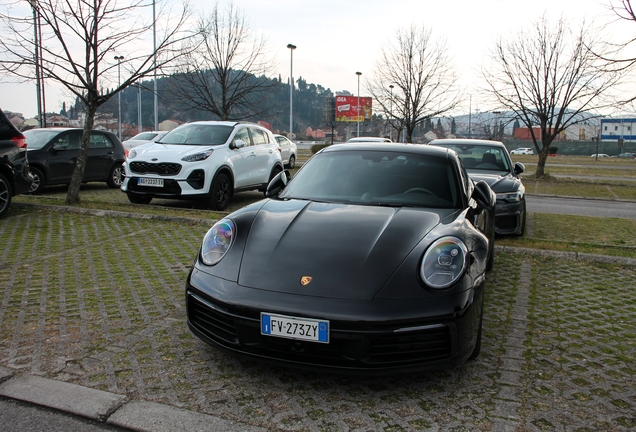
119	59
391	113
139	120
291	87
358	73
154	63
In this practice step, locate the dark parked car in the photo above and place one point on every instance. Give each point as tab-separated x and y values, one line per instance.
372	258
489	161
53	154
14	167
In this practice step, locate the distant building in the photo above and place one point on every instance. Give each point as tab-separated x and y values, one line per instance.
615	129
168	125
523	133
57	120
266	125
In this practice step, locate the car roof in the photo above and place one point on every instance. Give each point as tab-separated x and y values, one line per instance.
392	148
467	141
369	139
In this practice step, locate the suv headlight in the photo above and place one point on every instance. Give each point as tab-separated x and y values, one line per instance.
217	241
197	156
510	196
132	153
444	262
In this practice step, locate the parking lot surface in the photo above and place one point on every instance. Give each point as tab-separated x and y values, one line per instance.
98	301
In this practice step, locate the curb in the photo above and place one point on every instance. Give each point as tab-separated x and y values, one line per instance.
110	408
114	213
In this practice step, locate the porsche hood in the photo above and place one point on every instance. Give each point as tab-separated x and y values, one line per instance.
498	182
330	250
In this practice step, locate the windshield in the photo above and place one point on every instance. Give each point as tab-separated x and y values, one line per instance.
481	157
38	138
376	178
198	134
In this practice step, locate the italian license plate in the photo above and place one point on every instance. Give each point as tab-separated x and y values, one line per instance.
295	328
150	182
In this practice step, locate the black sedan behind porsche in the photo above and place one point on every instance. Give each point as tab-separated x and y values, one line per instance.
489	161
53	154
373	258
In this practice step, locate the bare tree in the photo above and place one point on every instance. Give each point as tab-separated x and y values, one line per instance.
423	80
617	59
79	41
550	78
329	118
227	73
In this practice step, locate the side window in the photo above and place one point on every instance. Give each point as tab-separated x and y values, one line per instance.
99	141
70	141
244	135
259	136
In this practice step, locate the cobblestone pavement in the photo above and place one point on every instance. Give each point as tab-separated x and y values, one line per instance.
99	301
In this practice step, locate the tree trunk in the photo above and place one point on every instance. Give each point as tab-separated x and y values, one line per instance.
72	196
543	157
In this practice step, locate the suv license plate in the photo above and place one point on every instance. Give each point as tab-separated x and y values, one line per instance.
295	328
150	182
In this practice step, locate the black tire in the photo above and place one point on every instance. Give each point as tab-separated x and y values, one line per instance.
490	263
139	199
38	181
116	176
477	348
220	192
292	162
523	222
6	193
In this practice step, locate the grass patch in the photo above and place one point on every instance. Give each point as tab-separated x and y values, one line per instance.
586	234
580	188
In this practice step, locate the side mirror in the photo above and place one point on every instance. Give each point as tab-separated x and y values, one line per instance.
277	184
484	196
519	168
58	147
237	144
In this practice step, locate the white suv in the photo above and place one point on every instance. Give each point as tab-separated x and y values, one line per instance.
208	160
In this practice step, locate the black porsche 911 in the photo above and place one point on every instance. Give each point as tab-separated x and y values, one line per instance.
372	258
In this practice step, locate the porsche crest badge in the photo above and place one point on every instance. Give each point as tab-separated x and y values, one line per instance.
305	280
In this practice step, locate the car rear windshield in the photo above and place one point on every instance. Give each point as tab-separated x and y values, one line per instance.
481	157
145	136
377	178
198	134
38	138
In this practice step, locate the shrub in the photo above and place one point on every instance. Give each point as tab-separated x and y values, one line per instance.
317	147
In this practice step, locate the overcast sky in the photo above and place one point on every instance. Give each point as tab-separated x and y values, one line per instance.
337	38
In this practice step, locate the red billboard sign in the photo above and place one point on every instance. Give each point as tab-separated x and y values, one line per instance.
347	109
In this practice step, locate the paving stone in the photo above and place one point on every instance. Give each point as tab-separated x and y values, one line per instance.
98	301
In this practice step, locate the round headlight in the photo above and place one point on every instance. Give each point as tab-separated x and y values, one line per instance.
444	262
217	241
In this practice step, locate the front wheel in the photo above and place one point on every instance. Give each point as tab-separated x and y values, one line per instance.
523	221
220	192
5	195
116	176
477	348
